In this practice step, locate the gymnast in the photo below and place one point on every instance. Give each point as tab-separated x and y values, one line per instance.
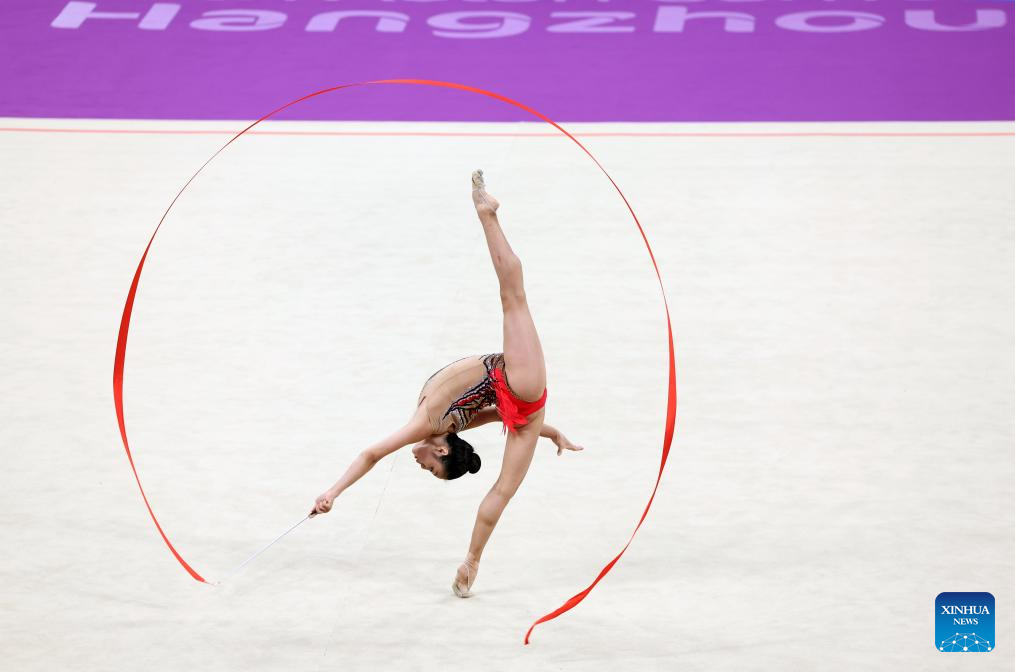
474	391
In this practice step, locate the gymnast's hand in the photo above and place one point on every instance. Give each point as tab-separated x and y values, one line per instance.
323	504
563	443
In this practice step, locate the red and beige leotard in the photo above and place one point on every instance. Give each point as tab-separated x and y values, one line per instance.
453	395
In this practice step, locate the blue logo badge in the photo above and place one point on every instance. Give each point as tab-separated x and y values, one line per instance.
964	622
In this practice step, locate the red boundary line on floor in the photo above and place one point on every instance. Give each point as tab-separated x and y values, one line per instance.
647	134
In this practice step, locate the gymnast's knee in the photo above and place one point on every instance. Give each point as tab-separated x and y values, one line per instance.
512	284
505	490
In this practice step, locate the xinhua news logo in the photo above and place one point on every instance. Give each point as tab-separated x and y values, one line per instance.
964	622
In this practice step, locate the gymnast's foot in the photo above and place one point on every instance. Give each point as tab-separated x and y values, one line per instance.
485	203
464	578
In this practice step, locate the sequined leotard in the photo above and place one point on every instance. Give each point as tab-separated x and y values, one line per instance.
454	394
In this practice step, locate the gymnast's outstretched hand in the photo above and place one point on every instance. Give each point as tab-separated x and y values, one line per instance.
324	503
563	443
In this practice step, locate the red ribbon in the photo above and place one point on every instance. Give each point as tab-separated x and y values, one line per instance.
671	398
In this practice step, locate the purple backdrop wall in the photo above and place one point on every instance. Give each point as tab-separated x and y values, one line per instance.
575	60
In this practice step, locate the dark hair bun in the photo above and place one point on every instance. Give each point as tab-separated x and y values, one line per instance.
461	458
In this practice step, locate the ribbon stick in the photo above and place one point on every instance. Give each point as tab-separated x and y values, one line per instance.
671	399
247	561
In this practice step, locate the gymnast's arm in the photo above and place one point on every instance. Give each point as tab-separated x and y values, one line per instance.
415	430
489	414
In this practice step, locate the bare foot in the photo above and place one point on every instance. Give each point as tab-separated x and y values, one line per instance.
484	202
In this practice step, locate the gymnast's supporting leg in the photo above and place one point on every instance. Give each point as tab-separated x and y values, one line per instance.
518	452
525	371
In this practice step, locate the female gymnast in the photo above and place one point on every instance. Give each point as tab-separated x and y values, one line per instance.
473	391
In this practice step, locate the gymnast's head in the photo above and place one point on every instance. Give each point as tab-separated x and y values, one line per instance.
446	456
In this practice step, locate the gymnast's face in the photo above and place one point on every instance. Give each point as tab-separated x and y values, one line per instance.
428	454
